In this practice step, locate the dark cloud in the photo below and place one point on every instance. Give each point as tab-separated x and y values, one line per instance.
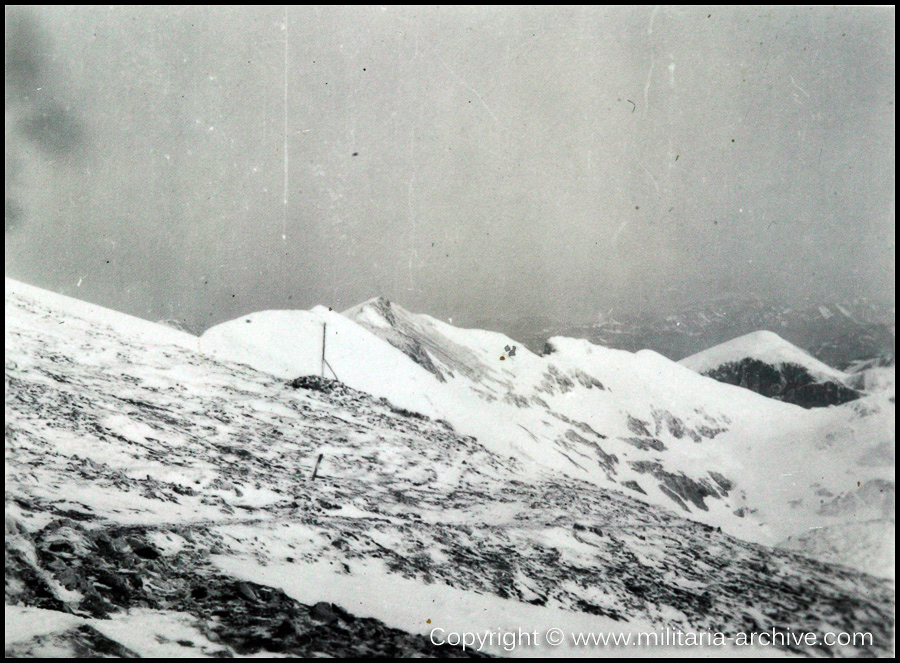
34	112
24	51
54	128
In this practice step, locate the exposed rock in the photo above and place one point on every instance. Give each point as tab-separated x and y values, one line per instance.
78	642
316	383
645	443
634	485
679	487
725	484
67	550
786	382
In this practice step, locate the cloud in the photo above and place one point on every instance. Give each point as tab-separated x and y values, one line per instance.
34	110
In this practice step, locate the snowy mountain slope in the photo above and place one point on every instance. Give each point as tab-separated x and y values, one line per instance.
288	344
629	421
756	467
153	491
72	311
865	542
850	524
854	527
524	406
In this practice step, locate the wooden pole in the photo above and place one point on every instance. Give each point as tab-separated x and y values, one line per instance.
322	371
316	468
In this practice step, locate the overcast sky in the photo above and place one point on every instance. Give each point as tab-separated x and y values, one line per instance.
200	163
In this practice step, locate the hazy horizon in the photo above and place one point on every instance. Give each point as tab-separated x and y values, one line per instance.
466	162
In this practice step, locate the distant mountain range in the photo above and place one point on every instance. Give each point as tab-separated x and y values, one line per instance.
836	332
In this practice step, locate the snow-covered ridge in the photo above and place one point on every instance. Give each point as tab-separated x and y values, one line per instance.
122	323
646	408
289	344
633	422
159	502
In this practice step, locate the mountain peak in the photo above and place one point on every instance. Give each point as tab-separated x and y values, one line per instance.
764	345
379	307
764	362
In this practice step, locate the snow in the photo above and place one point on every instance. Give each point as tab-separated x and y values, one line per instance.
157	634
23	623
437	610
121	323
154	427
527	407
878	379
148	633
765	346
288	344
870	543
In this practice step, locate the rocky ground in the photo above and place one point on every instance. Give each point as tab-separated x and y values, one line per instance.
115	569
140	476
790	383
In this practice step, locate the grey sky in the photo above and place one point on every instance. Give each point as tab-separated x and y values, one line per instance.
466	162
